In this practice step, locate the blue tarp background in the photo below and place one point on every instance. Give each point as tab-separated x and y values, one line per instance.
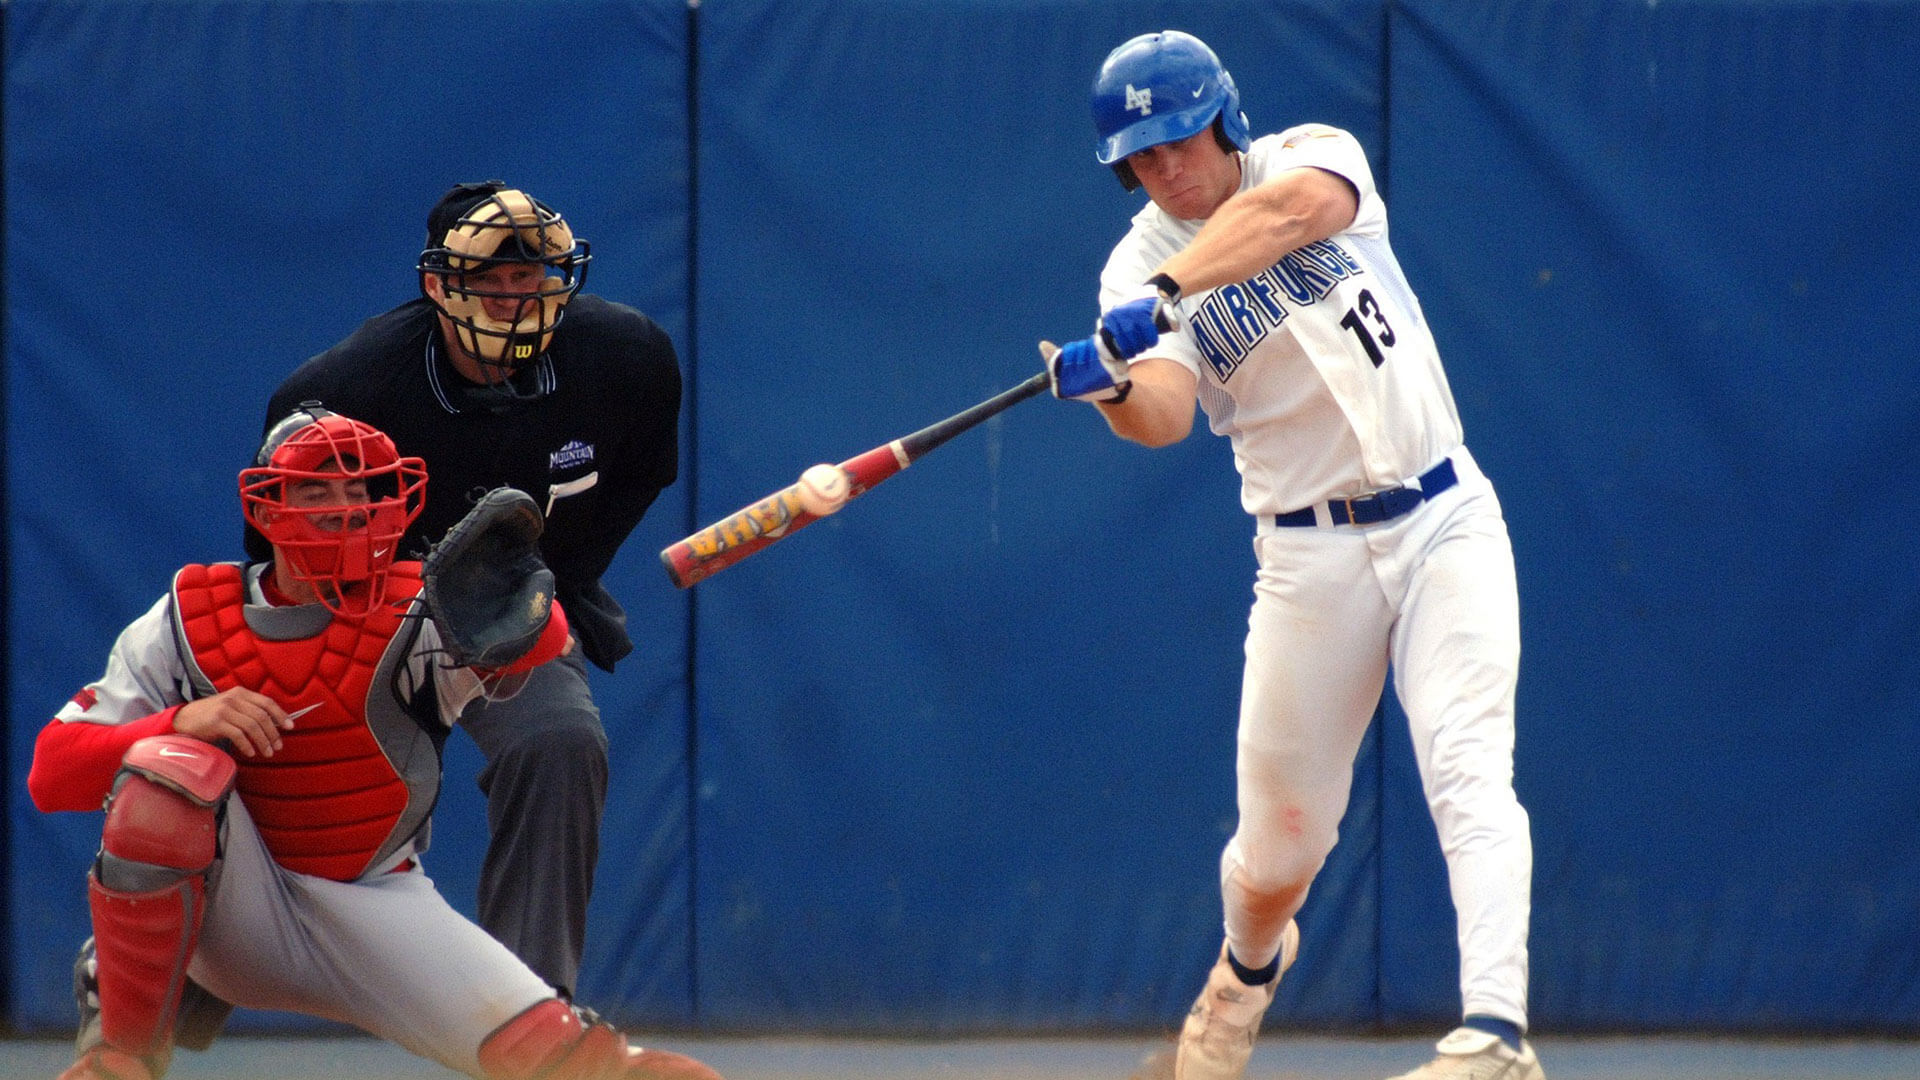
960	758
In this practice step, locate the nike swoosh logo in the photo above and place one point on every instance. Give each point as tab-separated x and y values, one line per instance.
379	553
1201	89
305	711
174	751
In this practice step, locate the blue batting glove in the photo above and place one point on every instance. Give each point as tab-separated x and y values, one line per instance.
1129	329
1083	371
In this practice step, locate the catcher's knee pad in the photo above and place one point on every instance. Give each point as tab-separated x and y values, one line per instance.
163	813
554	1041
147	891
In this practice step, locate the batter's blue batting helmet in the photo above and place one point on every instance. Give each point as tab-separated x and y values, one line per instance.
1161	88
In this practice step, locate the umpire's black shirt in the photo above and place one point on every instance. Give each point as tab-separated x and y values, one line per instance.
603	402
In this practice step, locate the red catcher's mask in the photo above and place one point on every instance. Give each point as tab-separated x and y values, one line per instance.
343	550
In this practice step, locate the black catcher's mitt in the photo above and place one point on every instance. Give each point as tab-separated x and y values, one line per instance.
485	585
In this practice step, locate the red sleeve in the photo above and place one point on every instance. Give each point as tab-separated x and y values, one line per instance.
74	763
552	640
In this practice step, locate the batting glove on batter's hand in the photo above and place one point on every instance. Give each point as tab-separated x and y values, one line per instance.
1095	368
1129	329
1084	371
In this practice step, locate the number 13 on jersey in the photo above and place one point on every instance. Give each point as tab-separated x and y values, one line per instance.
1369	326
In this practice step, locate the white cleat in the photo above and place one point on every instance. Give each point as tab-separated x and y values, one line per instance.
1468	1054
1217	1039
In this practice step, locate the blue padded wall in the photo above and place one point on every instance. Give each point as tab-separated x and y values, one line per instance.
959	758
1665	248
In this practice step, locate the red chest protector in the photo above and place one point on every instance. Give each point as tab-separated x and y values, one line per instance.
326	803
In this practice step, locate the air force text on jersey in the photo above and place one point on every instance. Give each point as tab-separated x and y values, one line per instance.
1234	318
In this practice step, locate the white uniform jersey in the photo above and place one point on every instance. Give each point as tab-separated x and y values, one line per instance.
1320	369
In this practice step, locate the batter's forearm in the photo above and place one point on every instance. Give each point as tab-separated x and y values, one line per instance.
1252	230
1158	410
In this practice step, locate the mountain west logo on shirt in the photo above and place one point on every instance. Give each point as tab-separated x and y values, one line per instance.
1140	99
1235	318
574	453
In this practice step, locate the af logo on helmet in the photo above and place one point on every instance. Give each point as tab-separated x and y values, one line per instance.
1140	99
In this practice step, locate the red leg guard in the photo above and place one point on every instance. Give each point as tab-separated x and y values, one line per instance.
147	891
551	1041
200	771
143	942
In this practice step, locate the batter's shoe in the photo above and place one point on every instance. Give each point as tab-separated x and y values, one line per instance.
1470	1054
1217	1039
106	1063
665	1065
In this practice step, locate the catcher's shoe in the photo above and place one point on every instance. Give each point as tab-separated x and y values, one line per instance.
106	1063
1470	1054
665	1065
1217	1039
86	997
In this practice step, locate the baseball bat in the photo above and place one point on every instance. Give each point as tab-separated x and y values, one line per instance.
781	514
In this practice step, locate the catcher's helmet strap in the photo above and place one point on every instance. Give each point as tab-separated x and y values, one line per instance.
303	414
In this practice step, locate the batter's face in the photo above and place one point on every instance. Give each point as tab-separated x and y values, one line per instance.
1189	178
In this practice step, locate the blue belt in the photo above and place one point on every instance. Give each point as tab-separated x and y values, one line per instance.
1379	506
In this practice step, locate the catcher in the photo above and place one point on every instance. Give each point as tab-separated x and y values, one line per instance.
266	740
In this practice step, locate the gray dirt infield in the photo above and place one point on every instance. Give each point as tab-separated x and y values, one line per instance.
1280	1056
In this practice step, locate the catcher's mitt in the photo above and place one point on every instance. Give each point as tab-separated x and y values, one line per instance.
486	588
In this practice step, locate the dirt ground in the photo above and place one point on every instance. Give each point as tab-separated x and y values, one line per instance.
1279	1057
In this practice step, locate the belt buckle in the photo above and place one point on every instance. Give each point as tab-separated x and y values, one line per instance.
1353	518
1377	499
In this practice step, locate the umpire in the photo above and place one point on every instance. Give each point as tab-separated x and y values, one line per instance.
504	373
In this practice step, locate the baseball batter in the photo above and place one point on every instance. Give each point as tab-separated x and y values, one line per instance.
266	740
1381	545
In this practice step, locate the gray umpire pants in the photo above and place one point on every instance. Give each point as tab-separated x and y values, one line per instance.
545	781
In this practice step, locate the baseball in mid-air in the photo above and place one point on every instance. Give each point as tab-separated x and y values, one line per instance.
823	489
